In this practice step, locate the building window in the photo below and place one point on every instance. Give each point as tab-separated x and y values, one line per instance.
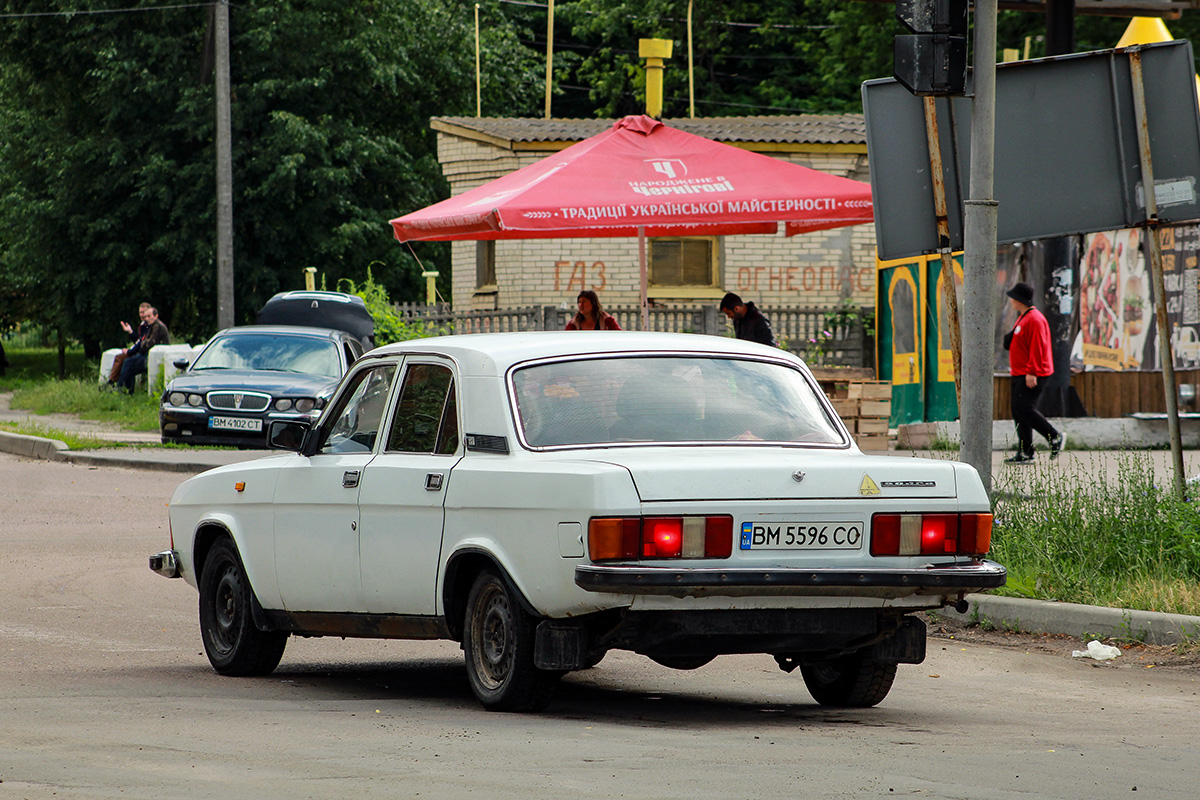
485	265
683	262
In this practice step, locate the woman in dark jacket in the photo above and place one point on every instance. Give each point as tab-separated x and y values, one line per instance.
591	317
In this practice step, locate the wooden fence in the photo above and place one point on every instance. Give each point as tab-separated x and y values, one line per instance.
805	331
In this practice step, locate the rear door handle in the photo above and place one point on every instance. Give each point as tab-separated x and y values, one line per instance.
350	479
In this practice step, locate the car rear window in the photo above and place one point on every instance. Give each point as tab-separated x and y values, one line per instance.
272	351
668	399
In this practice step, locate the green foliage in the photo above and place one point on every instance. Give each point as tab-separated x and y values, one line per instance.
750	56
107	161
1127	543
389	325
30	365
842	317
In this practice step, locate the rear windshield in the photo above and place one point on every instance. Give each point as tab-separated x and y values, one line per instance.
668	399
272	351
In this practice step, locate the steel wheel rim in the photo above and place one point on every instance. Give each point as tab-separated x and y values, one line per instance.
492	635
226	610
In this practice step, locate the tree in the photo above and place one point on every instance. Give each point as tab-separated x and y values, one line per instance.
107	170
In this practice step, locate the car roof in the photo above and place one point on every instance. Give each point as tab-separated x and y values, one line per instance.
292	330
495	353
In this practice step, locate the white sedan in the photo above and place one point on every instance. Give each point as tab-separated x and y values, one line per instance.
543	498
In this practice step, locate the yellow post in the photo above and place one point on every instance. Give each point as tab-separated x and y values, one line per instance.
430	277
654	51
691	68
310	278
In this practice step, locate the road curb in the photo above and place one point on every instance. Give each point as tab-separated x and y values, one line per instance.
1072	619
39	447
20	444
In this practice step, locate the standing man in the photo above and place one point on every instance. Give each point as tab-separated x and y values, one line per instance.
1029	361
748	322
136	357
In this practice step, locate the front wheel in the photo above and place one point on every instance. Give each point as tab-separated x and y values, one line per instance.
853	681
498	639
233	644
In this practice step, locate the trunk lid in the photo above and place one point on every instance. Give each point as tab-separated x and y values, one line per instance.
760	473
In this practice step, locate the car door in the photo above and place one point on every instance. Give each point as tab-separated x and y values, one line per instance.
316	500
403	488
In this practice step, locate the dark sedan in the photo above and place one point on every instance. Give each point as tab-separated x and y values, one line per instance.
246	377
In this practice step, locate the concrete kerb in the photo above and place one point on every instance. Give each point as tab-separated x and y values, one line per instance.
162	460
1071	619
31	446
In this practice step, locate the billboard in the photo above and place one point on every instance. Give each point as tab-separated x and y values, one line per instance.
1066	149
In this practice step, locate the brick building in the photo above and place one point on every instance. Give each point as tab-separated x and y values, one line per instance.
812	270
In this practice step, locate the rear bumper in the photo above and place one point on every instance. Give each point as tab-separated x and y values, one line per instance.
887	583
165	564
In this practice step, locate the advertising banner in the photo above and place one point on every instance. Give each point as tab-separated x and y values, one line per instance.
1117	327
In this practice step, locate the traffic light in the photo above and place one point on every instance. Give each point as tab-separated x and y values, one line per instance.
932	61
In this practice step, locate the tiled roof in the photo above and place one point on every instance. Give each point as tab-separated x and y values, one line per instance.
793	129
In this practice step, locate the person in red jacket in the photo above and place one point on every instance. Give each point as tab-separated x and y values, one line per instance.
1029	361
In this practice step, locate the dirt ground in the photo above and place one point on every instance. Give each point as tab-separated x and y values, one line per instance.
1133	654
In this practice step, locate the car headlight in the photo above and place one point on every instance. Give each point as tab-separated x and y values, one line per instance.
177	398
305	404
195	400
283	404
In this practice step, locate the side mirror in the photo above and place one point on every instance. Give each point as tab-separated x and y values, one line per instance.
284	434
181	364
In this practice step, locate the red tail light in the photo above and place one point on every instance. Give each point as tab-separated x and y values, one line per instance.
931	534
629	538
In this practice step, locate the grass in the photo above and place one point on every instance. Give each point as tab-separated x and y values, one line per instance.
32	378
71	440
82	397
1123	543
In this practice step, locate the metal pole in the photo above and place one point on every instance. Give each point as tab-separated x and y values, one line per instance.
549	56
691	68
643	269
949	291
225	315
1160	294
979	261
478	79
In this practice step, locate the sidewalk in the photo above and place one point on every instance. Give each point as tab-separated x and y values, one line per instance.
1028	616
184	460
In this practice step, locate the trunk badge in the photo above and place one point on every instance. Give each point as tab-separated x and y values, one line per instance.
868	487
798	476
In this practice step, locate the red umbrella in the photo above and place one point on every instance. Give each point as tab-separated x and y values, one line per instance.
643	178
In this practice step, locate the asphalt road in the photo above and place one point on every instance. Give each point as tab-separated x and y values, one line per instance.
104	693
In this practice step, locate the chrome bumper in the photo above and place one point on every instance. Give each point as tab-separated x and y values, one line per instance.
164	564
888	583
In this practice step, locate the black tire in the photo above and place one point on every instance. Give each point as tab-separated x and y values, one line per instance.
233	644
498	641
853	681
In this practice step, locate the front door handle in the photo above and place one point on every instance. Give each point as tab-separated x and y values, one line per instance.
350	479
433	482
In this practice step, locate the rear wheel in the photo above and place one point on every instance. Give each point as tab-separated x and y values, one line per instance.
233	644
852	681
498	639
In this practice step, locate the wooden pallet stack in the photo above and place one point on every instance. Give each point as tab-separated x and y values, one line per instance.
864	404
864	407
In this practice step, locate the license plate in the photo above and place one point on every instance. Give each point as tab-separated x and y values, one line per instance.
235	423
801	536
